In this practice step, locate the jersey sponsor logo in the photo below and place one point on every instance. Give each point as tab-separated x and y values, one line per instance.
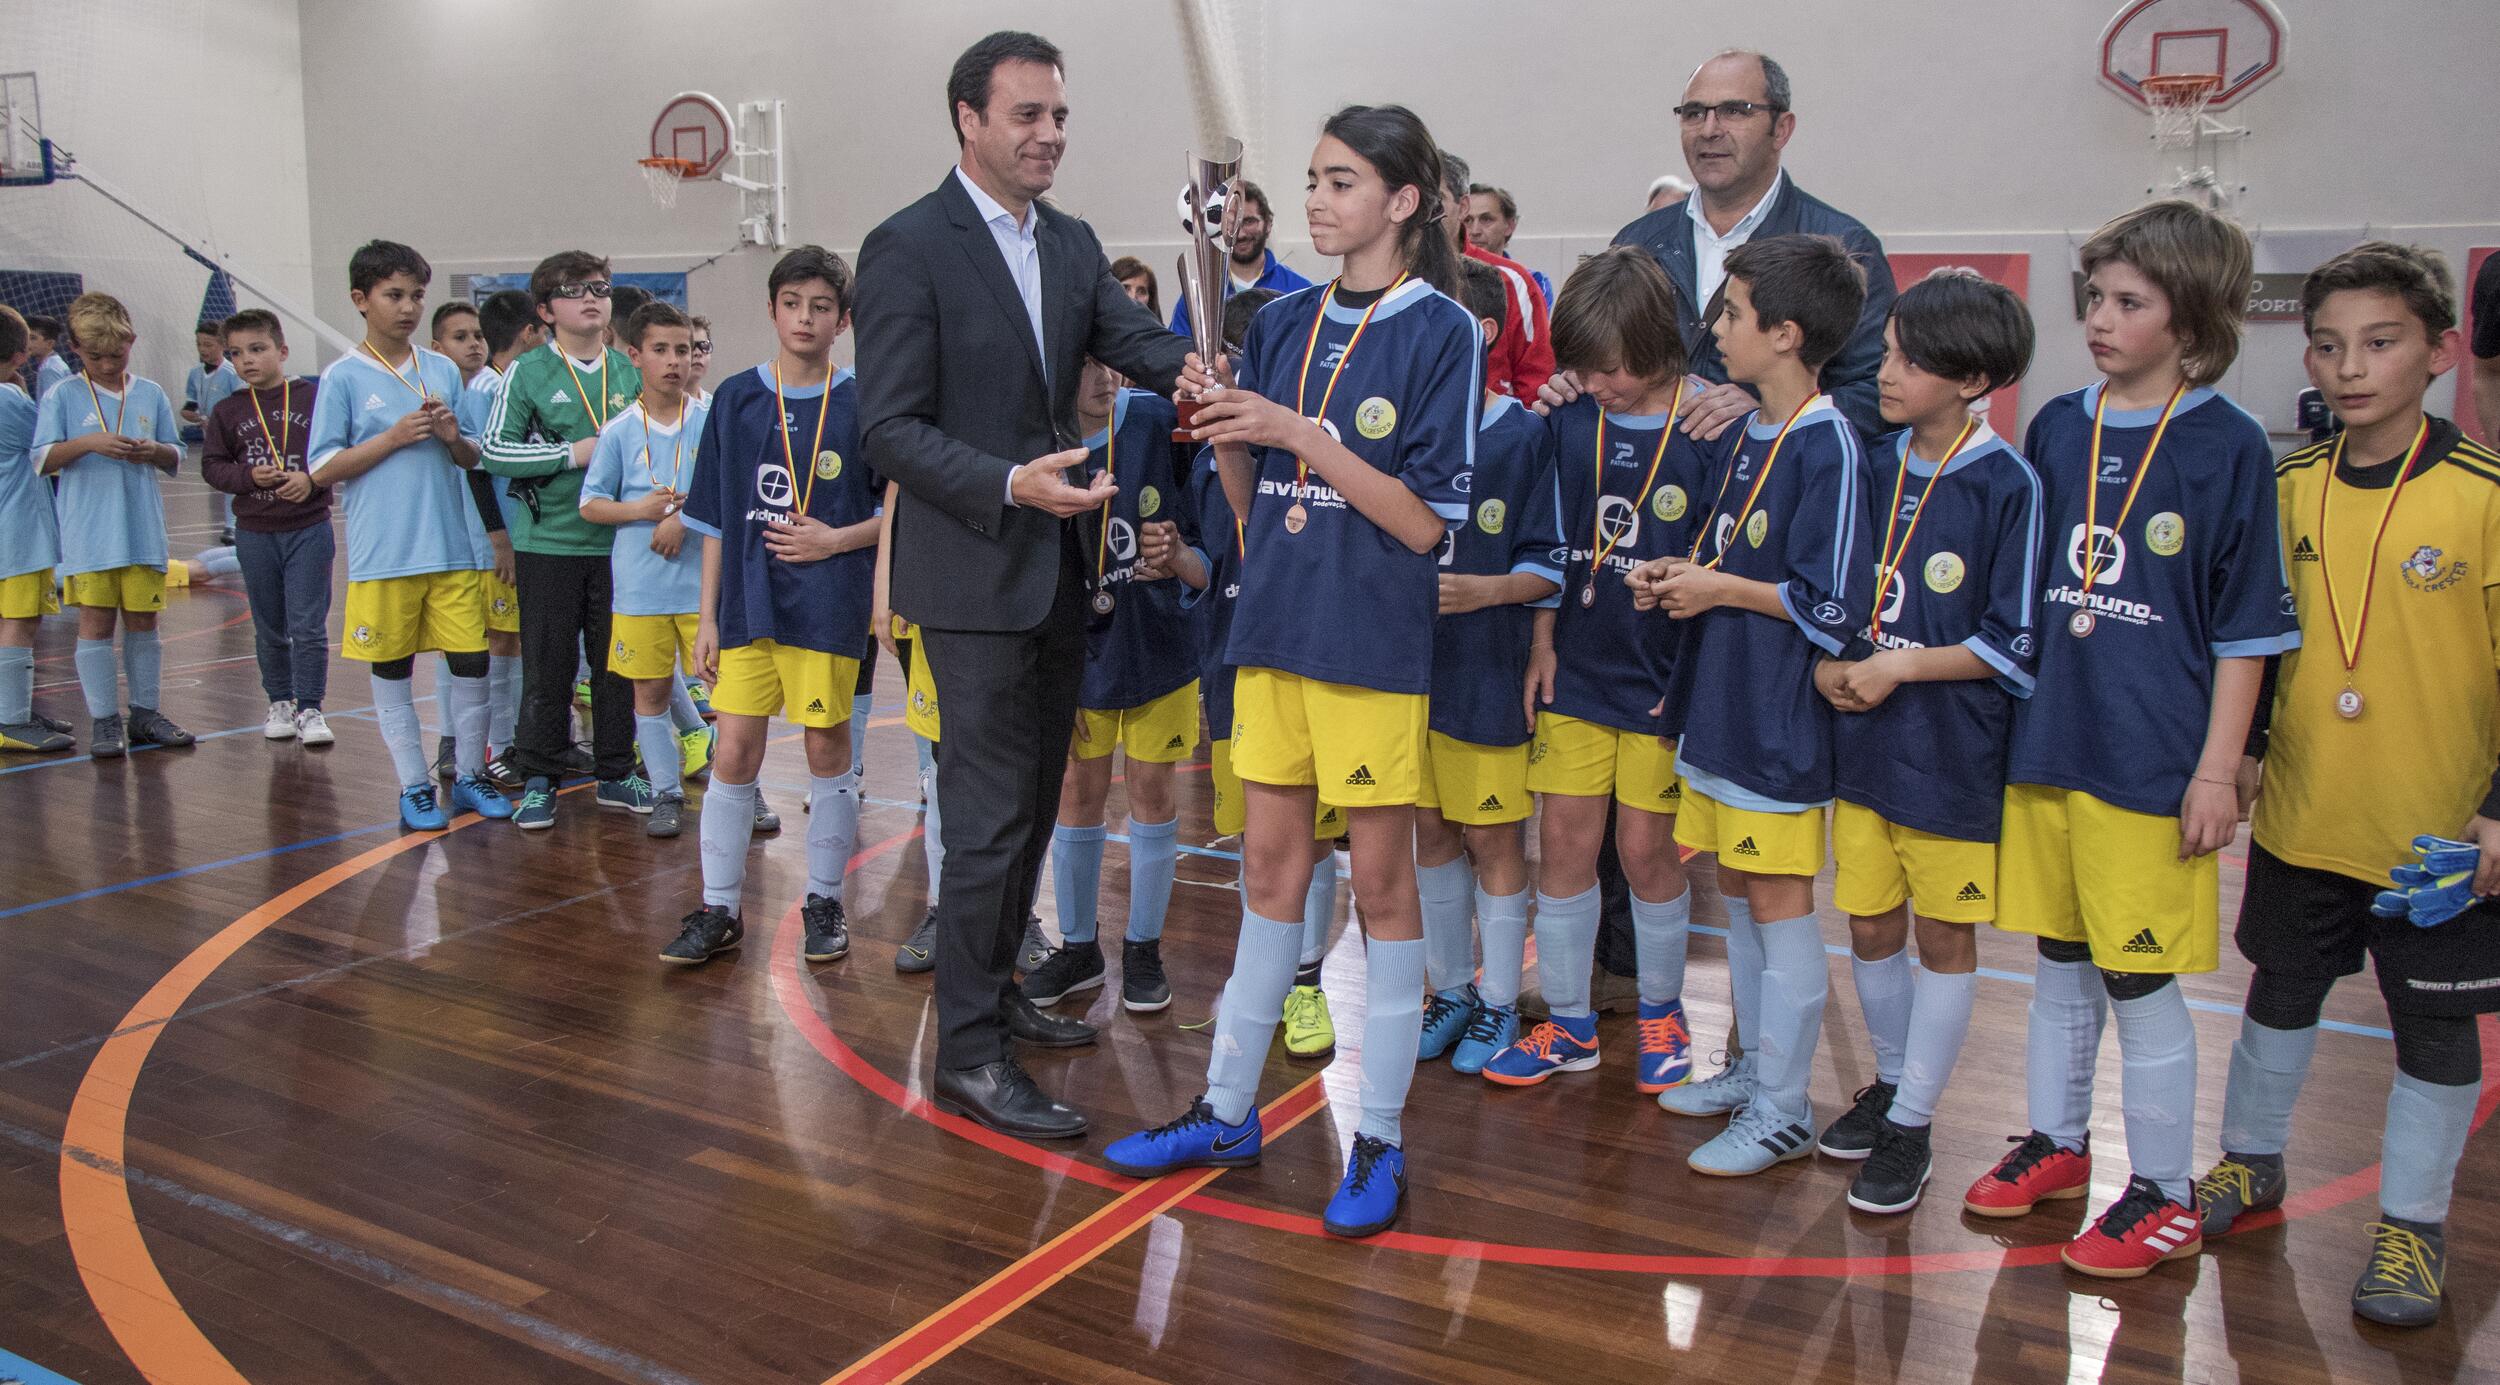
2424	572
2145	943
1830	613
815	704
1490	516
1361	777
1329	426
1620	454
1174	744
1757	528
1492	804
2303	551
1723	534
1121	538
1745	847
1149	501
559	397
1895	595
1668	503
773	485
2108	554
372	401
1375	417
1945	572
1970	893
1618	521
1335	356
2166	533
828	465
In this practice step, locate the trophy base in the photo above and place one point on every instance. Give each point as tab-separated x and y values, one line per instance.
1188	410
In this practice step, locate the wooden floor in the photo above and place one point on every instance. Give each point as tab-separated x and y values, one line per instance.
286	1095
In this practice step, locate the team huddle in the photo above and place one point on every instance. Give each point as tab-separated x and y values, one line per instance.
2032	687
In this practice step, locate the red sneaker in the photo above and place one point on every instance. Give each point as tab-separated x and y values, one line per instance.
2140	1230
2036	1171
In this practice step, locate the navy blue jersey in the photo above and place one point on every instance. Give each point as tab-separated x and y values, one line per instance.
1149	644
1611	661
2194	574
1966	572
1756	734
1406	404
742	482
1219	545
1480	658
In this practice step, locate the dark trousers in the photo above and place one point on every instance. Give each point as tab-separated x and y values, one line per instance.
565	602
286	579
1615	949
1009	700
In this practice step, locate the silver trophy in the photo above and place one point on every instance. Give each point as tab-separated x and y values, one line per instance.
1205	265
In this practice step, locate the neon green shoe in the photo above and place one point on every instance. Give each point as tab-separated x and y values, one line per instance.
702	697
1309	1032
695	750
581	692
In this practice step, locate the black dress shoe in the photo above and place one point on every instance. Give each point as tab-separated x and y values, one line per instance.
1029	1024
1002	1096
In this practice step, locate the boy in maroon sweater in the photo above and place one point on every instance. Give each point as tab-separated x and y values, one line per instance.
254	450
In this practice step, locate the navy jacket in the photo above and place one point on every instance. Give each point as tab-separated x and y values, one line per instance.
1849	378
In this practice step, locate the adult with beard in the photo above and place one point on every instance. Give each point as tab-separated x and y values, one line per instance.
1253	265
978	306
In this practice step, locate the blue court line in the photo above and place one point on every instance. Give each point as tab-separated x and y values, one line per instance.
201	869
17	1370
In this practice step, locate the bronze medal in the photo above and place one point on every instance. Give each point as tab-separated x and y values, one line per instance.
1103	602
2079	624
1588	594
1296	517
2348	703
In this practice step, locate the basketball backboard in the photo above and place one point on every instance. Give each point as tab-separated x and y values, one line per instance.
2239	42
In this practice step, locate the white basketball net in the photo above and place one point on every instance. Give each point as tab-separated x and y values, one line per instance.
2178	110
662	177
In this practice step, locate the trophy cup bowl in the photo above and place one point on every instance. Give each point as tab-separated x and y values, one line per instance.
1204	265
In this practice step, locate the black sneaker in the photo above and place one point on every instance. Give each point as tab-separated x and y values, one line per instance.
919	952
1895	1173
1035	949
106	740
766	820
2408	1259
2240	1184
1142	987
668	816
446	763
504	774
705	934
579	760
1853	1136
1067	970
149	726
828	932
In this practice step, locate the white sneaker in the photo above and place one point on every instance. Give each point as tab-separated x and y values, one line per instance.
312	728
281	723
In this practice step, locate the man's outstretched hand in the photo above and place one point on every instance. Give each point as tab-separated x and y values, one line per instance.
1042	484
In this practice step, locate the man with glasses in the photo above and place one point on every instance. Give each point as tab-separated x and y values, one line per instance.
539	439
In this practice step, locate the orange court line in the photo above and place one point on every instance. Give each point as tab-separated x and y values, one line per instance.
938	1334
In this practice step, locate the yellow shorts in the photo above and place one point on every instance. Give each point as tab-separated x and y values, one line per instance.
805	687
503	605
394	617
2080	870
1162	732
649	646
1880	863
1327	824
1362	748
1751	840
1585	760
1474	785
28	595
119	588
920	712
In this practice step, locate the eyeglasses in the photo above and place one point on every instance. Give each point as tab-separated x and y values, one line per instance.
703	348
594	288
1729	112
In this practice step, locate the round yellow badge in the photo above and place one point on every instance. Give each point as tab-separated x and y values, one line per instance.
2165	533
1757	528
828	465
1667	502
1149	501
1374	417
1944	573
1490	515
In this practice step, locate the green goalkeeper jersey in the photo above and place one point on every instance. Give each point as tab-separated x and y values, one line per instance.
548	403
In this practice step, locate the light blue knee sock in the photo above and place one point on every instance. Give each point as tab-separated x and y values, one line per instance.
1884	996
2069	1007
465	702
1744	971
832	830
1795	984
2427	1123
1659	933
662	761
2268	1067
683	715
1940	1005
1566	947
2157	1054
17	685
1076	881
1393	1031
503	699
1504	921
725	828
1246	1017
1446	892
1319	915
862	707
98	678
395	712
1154	852
143	663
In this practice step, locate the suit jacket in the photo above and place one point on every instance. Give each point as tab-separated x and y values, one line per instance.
952	394
1849	377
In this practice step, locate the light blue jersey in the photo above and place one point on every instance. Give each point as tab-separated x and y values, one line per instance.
410	514
53	371
30	538
477	405
203	388
635	457
110	511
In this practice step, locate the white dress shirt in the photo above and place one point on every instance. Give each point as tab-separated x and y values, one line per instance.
1023	255
1710	249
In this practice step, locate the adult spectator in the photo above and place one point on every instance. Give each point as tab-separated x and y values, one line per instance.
1666	190
978	306
1735	119
1523	359
1139	279
1253	266
2487	348
1492	219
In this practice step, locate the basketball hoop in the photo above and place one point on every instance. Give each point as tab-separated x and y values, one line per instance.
664	176
2178	101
